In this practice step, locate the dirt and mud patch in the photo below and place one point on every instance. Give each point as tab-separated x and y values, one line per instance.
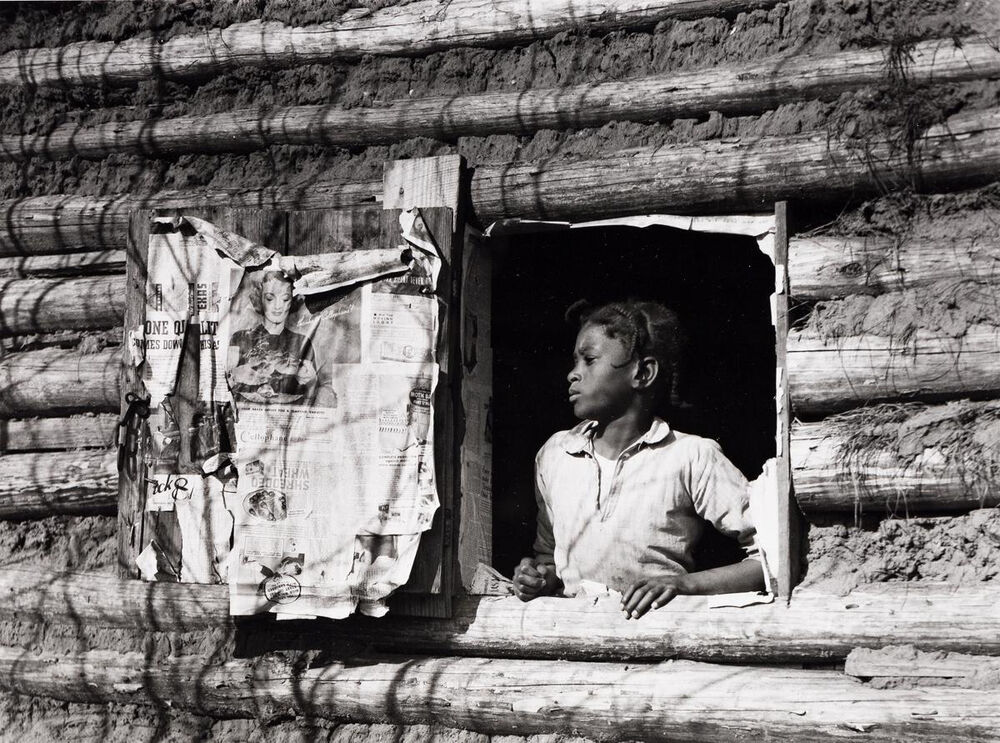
956	549
945	308
37	720
61	543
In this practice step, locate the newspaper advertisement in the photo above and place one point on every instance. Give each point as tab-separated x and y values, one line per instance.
334	440
182	342
309	425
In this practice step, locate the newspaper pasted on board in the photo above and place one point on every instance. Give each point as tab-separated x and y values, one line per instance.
291	405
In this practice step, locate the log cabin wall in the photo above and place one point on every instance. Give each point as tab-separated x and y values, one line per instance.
879	122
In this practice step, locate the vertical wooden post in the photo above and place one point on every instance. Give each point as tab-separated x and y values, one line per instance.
132	492
788	511
432	185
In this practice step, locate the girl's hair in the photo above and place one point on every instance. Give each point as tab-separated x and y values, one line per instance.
256	293
644	329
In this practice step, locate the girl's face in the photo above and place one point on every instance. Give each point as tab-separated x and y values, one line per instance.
276	300
600	382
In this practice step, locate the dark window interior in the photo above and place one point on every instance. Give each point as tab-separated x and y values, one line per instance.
720	287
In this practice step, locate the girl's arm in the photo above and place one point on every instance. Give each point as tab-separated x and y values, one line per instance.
652	593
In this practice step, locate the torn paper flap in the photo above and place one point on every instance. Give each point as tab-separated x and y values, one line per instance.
739	600
753	225
734	224
416	232
487	581
206	530
762	494
592	589
245	252
330	271
136	341
505	227
154	566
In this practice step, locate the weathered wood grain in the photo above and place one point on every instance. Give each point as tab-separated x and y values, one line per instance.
829	267
54	382
48	305
67	264
37	485
908	662
724	175
830	375
824	375
819	268
676	700
813	626
409	30
742	90
43	434
827	479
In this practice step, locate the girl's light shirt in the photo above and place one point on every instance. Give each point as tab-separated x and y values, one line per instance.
647	520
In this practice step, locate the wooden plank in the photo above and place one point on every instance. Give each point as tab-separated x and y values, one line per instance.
672	701
334	230
416	28
428	591
905	661
432	185
475	431
830	375
30	306
423	182
733	90
813	627
828	267
132	490
38	485
72	264
42	434
788	526
714	176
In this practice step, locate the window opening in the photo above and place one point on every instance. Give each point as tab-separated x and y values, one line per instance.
721	287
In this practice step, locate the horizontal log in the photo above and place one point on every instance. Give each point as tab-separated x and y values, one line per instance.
829	267
38	485
66	264
30	306
47	225
744	89
672	701
54	382
414	29
47	434
825	375
829	375
812	627
907	662
827	478
728	175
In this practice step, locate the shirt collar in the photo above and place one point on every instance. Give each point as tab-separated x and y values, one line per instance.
581	436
